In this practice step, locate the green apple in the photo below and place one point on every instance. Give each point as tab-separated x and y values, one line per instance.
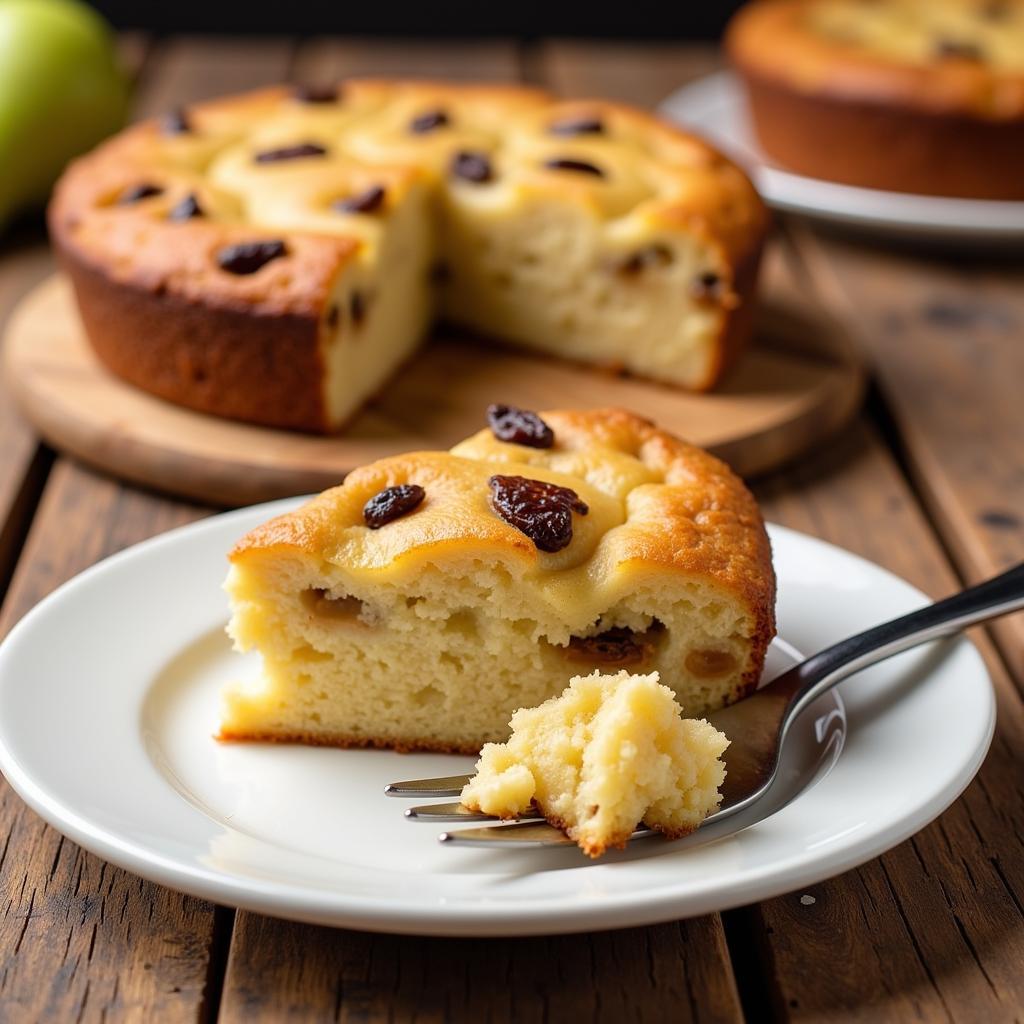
61	91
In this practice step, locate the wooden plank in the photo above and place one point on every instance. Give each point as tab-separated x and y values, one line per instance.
288	972
190	68
282	971
326	60
933	930
642	74
24	261
79	939
946	338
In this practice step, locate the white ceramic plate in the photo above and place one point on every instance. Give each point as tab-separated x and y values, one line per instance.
715	107
108	703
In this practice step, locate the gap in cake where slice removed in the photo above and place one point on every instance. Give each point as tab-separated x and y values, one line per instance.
422	602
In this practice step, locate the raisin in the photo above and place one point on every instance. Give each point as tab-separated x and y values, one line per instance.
568	163
175	123
136	193
616	646
368	201
541	510
649	256
357	308
475	167
707	663
187	209
519	426
248	257
316	93
996	10
299	151
391	503
958	48
333	316
577	126
707	286
428	122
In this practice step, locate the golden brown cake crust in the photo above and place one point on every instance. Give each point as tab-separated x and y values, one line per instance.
843	110
228	362
344	742
619	842
160	312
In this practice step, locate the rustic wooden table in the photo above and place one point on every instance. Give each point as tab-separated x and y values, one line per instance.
929	482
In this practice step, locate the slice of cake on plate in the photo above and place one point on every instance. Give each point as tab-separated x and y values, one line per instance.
431	595
609	753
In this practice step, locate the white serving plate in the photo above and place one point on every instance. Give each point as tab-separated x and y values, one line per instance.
108	704
716	108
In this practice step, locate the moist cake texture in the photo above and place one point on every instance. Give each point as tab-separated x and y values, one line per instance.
431	595
275	256
610	752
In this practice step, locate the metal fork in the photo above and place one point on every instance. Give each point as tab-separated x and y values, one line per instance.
757	726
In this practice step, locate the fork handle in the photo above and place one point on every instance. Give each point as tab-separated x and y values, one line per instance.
988	600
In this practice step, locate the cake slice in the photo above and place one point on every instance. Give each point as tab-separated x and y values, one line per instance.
609	753
431	595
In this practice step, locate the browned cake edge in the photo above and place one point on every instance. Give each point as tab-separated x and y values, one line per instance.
885	146
737	323
615	842
951	127
258	367
347	742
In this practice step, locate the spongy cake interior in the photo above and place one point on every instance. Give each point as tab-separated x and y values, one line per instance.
608	753
444	664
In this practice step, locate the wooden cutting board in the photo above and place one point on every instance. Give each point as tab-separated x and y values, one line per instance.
800	382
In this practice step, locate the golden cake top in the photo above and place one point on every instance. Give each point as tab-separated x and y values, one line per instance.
944	55
318	173
609	504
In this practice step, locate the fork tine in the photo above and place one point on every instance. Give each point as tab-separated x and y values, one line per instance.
522	833
450	785
457	812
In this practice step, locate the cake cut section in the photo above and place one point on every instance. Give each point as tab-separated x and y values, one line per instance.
610	752
407	608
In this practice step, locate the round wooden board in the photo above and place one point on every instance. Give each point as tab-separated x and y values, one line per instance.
800	382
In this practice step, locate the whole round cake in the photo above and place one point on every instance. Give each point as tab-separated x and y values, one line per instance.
428	597
921	96
274	257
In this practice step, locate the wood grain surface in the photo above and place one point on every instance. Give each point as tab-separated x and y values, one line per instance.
944	337
929	484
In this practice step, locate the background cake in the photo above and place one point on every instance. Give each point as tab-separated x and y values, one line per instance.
911	95
275	256
431	595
